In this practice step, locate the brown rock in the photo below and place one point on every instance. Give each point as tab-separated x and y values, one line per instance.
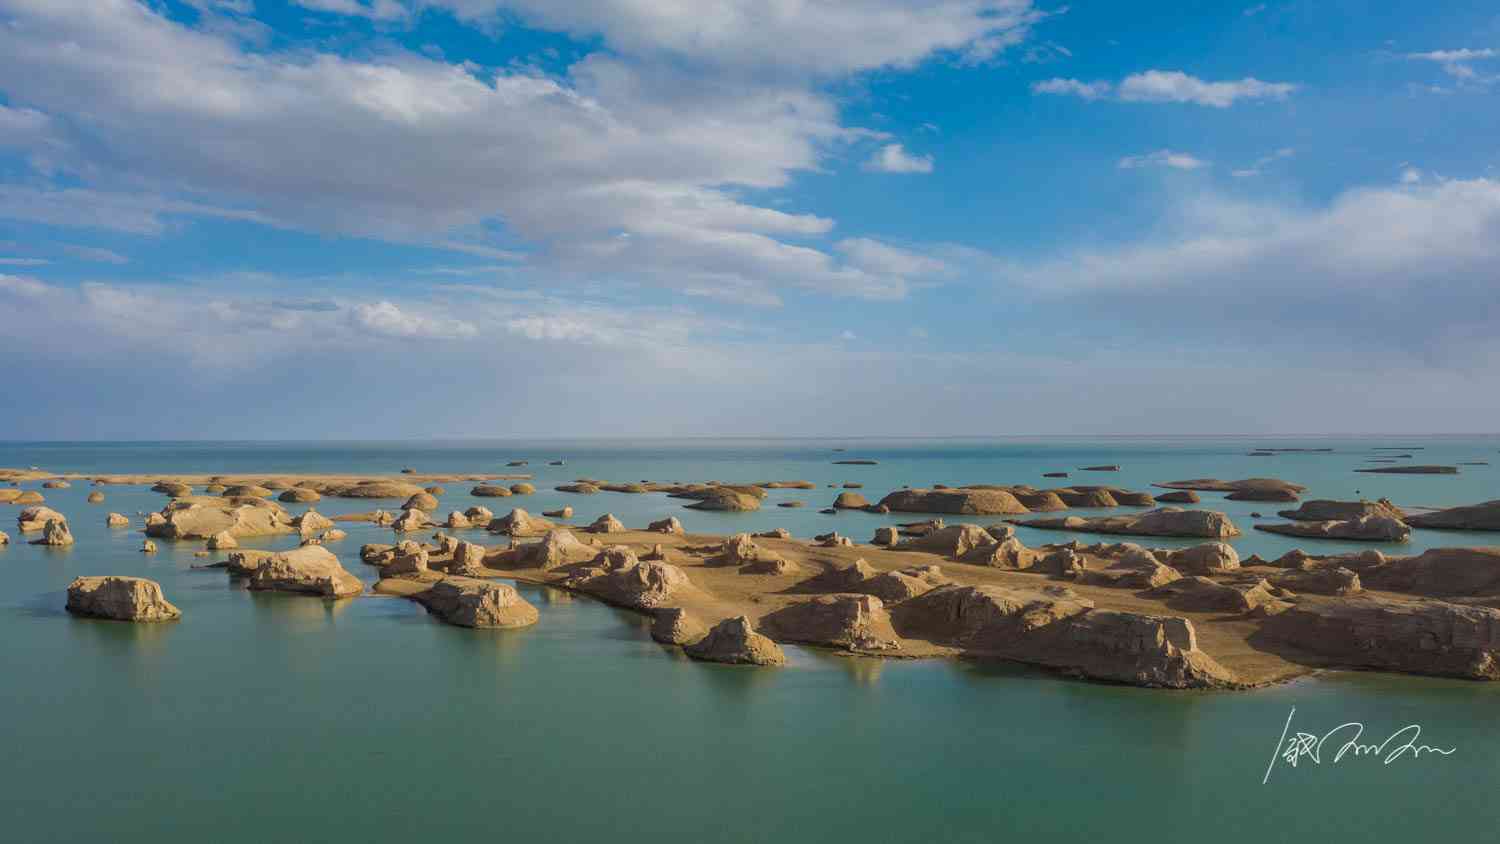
55	533
490	491
1418	637
850	501
1325	510
423	501
734	641
979	502
669	525
1362	529
849	622
299	495
116	520
606	523
468	602
1166	521
36	518
311	569
1484	516
120	599
522	489
673	626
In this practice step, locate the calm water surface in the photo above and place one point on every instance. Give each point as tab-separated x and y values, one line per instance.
268	717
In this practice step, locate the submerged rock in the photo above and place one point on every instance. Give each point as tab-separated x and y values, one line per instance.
120	599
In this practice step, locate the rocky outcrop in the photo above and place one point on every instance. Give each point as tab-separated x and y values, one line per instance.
1249	489
522	489
190	519
424	501
625	581
735	641
725	499
1200	594
410	521
120	599
1484	516
1183	496
564	513
311	569
577	488
518	522
457	521
246	491
96	497
1326	510
1417	637
887	536
1208	558
606	523
670	525
490	491
4	538
969	502
408	558
36	518
673	626
1439	572
950	541
172	488
557	548
1371	528
116	520
741	550
55	533
850	501
1166	521
372	489
469	602
893	587
467	560
848	622
299	495
312	523
222	541
1327	580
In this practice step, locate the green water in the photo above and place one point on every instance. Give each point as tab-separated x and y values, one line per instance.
269	717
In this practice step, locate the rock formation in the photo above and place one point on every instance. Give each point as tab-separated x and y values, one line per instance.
669	525
1484	516
1371	528
673	626
490	491
974	502
1419	637
606	523
55	533
735	641
469	602
202	518
120	599
311	569
1325	510
1166	521
849	622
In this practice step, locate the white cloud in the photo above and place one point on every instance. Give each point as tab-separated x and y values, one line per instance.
1432	242
1459	63
94	253
1174	86
817	36
1162	158
622	167
1169	86
893	158
23	262
1263	162
1085	90
382	10
387	318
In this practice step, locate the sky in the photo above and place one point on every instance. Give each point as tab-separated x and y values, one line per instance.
233	219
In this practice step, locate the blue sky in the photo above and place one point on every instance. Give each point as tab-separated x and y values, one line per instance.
406	218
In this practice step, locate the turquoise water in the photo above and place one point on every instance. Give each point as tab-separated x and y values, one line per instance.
276	717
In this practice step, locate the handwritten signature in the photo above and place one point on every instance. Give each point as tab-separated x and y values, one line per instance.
1293	748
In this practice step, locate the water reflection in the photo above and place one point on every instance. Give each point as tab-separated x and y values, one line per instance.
298	613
